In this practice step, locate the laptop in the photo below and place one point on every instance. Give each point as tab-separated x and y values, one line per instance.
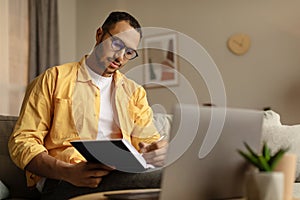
202	160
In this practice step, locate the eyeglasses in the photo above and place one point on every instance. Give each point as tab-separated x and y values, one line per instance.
117	45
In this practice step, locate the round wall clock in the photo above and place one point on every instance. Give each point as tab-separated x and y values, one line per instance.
239	43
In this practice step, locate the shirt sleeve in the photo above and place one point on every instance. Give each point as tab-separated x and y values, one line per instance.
27	139
144	128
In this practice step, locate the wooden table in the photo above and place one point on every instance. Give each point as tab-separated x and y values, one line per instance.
101	195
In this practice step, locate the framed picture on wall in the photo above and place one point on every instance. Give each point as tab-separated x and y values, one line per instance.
160	60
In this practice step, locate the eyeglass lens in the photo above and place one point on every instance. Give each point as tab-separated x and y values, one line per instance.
117	45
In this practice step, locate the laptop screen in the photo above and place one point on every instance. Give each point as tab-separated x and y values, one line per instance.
219	171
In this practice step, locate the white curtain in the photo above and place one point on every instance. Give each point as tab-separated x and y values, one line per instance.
14	42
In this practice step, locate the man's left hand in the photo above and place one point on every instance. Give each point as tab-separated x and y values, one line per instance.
155	152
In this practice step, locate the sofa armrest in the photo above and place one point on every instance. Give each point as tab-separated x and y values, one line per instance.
13	177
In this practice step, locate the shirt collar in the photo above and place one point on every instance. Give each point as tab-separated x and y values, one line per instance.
83	74
96	78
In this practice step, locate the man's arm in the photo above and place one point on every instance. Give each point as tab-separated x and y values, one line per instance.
26	144
83	174
146	135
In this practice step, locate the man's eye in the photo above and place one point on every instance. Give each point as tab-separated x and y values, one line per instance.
129	51
117	44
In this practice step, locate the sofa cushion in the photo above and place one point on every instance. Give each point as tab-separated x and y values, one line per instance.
163	123
278	136
10	174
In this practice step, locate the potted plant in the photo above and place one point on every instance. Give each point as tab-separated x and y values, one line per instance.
265	183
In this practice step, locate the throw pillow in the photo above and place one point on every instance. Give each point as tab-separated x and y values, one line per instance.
4	193
278	135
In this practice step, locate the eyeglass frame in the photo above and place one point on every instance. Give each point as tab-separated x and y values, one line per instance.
114	38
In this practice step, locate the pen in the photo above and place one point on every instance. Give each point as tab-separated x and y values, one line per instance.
161	138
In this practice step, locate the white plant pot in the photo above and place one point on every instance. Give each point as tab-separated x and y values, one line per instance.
265	186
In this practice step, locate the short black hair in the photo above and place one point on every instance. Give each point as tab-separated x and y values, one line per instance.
118	16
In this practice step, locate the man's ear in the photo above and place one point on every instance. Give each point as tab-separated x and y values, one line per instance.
99	35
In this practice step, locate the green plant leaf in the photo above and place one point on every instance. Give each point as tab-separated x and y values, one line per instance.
265	161
253	160
276	157
264	164
250	150
266	152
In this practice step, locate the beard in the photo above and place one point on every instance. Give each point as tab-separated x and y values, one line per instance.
99	63
102	64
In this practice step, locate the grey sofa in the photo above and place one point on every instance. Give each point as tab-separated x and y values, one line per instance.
10	175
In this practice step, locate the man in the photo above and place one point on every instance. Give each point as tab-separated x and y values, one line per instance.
89	99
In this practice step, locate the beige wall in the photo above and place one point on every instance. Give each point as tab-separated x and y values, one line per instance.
268	75
67	30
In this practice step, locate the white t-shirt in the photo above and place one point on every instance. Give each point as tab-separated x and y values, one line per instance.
107	124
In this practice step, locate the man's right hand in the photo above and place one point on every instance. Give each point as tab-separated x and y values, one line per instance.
83	174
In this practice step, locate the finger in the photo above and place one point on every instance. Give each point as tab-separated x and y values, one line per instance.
161	144
107	167
98	173
93	182
156	145
92	166
156	161
143	146
151	157
157	152
159	163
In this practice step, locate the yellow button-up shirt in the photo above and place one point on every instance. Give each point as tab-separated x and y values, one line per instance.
63	104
